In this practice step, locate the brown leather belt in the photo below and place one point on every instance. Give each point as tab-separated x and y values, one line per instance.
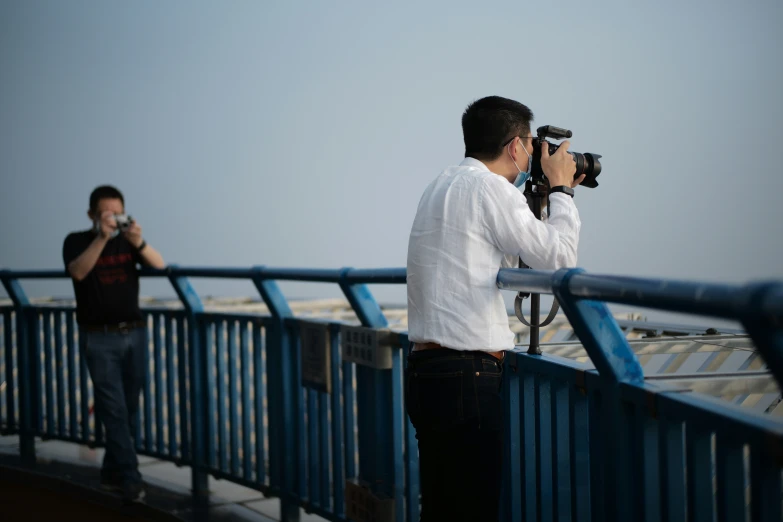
417	347
114	328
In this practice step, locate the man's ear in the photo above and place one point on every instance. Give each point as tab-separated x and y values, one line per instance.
90	215
510	150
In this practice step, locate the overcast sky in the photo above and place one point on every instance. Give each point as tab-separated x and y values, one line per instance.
302	134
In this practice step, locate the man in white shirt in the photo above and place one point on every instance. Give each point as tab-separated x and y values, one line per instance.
471	221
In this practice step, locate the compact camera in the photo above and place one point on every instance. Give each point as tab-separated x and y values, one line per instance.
123	221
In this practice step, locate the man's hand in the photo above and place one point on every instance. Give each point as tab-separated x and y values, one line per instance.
108	224
149	256
560	167
133	234
577	181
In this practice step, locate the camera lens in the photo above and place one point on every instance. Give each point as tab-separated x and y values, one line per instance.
586	163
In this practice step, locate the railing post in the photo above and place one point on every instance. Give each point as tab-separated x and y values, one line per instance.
283	459
393	381
598	331
616	363
512	490
363	303
411	467
763	327
384	409
24	376
198	393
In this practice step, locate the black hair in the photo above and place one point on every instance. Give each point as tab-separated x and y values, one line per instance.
104	192
490	123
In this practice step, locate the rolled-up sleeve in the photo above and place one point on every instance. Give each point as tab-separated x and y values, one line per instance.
513	228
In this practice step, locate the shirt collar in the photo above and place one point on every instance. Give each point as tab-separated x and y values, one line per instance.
474	163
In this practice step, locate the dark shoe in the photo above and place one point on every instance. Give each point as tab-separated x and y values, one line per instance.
133	491
111	482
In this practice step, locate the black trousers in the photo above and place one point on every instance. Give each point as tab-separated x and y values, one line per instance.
454	402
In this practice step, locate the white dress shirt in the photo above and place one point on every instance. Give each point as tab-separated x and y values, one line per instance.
470	223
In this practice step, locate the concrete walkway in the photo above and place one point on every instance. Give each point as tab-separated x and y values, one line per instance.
168	486
23	502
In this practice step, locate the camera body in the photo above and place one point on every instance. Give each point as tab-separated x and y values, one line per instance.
123	221
586	163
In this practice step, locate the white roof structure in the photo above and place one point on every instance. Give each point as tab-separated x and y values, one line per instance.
723	364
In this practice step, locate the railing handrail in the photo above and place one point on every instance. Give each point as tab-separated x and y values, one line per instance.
313	275
758	306
718	300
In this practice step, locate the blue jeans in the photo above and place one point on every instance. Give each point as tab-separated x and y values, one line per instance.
454	402
117	364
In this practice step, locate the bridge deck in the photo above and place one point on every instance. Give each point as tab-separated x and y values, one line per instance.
23	502
168	489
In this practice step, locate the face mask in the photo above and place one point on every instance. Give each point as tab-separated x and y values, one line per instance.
522	176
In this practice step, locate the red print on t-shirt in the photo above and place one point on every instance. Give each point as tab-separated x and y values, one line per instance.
118	259
110	269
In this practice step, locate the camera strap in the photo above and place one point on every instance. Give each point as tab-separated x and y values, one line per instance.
518	306
521	316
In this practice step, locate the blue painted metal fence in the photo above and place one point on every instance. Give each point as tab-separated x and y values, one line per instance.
225	395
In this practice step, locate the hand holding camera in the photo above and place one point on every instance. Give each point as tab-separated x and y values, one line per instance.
587	165
107	225
560	167
130	229
111	225
124	221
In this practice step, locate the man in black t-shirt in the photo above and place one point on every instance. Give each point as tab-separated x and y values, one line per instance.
112	332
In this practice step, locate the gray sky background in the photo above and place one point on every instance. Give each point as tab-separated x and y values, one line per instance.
303	134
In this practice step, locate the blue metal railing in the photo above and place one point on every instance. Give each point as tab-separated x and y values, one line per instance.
606	443
226	395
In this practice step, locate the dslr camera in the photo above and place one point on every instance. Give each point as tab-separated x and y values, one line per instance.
586	163
123	221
